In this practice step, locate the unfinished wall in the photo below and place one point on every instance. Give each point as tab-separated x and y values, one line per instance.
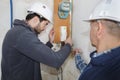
80	32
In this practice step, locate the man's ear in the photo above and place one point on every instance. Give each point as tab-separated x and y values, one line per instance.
36	19
100	30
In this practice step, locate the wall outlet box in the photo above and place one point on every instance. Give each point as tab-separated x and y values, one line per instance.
63	33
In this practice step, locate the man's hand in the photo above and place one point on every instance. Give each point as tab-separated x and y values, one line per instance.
69	41
76	51
51	35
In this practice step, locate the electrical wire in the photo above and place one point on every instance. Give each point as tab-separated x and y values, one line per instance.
61	73
60	76
11	13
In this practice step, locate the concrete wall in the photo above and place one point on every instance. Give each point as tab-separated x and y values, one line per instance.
80	32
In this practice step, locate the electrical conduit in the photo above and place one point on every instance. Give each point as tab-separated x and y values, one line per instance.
11	13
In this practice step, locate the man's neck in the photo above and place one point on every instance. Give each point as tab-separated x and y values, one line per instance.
106	45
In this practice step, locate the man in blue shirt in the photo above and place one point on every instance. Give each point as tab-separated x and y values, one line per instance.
105	36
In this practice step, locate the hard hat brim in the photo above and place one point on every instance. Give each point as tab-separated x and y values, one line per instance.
99	18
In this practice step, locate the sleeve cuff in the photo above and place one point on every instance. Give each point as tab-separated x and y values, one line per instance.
49	44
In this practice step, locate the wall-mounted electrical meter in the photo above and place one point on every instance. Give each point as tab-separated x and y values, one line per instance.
64	9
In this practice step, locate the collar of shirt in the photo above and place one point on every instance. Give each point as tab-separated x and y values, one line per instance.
100	53
104	52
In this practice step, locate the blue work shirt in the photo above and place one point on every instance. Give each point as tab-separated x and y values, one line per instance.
103	67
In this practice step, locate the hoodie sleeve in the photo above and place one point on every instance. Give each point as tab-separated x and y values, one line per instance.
29	45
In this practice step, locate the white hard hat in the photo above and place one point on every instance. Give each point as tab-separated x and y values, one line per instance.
106	9
42	10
